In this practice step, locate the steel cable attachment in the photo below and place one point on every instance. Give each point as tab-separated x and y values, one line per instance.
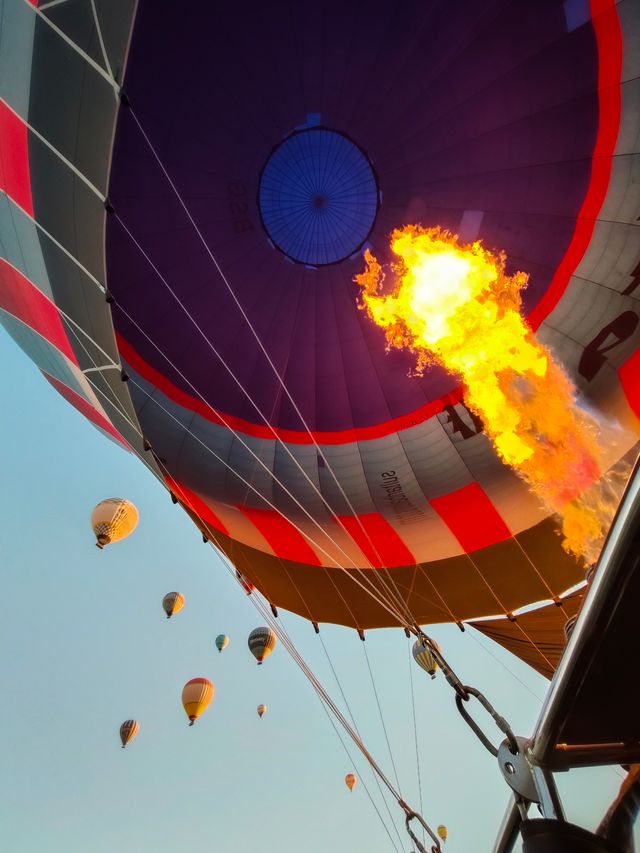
463	693
411	815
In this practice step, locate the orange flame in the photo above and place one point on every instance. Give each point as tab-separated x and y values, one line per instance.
454	305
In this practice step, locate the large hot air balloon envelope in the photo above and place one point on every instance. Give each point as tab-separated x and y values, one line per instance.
262	641
128	730
196	697
244	178
112	520
172	603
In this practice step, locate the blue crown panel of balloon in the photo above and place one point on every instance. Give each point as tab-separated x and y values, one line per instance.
318	197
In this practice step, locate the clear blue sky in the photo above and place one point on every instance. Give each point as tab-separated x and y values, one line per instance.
86	645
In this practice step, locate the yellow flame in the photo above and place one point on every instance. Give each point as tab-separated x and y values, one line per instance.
454	305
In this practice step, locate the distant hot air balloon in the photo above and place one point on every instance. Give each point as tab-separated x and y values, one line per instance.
113	519
173	602
222	641
196	696
350	781
423	656
262	710
128	730
262	641
442	832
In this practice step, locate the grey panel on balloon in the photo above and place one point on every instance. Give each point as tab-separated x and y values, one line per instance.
19	245
623	197
585	309
387	456
300	475
71	105
629	15
43	354
613	256
17	25
77	21
66	208
481	459
243	456
433	458
343	462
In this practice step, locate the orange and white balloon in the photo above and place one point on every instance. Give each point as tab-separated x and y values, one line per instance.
196	697
262	710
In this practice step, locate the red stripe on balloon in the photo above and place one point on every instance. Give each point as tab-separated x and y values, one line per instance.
284	539
85	408
377	539
196	504
14	159
471	517
290	436
22	299
629	375
606	27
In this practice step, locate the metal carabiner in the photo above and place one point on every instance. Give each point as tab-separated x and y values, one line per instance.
500	721
435	848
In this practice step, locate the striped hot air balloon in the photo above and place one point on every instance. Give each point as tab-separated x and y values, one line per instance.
113	519
222	641
423	656
196	696
350	781
128	730
262	710
172	603
262	641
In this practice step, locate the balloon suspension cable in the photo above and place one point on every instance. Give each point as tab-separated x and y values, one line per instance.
463	694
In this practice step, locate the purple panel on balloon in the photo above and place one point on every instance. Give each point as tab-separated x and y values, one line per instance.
488	109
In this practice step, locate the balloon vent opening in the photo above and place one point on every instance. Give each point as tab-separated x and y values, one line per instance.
318	197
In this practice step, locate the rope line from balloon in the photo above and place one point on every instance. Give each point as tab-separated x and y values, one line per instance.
263	349
352	718
415	728
382	720
282	634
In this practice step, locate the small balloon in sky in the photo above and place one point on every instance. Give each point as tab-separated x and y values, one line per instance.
350	781
113	519
222	641
128	730
196	697
172	603
262	710
262	641
424	657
